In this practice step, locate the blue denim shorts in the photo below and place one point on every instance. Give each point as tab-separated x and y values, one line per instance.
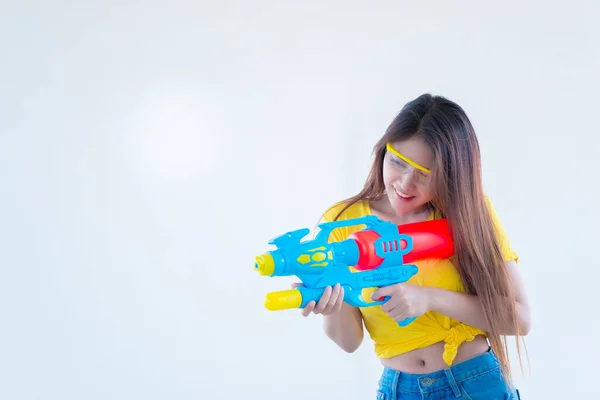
477	378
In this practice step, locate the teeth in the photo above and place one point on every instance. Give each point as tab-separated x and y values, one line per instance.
401	194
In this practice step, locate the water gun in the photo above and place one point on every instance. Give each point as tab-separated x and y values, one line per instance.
380	253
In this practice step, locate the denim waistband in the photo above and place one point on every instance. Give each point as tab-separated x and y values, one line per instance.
440	379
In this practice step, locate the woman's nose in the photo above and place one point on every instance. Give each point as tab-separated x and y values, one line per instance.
407	182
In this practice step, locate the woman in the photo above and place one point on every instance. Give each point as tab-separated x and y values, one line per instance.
427	166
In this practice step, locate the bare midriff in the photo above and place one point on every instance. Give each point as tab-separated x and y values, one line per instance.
429	359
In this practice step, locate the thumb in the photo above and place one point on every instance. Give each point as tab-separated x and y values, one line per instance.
296	284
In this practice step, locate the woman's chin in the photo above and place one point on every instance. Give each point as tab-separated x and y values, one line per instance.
406	206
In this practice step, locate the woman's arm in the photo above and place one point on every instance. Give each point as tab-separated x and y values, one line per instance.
467	308
345	328
408	300
342	323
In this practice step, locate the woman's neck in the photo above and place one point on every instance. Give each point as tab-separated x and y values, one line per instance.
382	208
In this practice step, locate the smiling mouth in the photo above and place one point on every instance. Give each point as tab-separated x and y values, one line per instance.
402	195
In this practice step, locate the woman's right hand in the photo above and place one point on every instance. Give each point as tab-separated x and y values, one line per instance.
330	302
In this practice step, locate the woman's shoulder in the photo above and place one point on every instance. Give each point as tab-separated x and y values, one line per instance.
346	209
492	210
508	253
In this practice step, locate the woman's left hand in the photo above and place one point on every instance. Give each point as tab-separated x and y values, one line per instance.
405	300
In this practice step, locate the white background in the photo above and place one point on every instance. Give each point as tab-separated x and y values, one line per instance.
149	150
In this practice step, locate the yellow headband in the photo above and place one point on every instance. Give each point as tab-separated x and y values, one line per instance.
408	160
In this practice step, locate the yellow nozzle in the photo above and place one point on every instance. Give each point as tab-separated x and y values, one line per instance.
283	300
264	264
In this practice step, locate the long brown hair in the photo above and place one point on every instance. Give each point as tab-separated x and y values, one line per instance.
458	196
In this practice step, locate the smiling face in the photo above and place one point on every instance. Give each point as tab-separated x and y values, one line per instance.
405	175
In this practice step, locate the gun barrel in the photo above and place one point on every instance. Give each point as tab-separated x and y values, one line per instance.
264	264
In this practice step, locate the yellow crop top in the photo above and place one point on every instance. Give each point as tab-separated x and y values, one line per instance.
432	327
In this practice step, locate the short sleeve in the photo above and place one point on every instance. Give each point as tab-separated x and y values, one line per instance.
338	234
508	253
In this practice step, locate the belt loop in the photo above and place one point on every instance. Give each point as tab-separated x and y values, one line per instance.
395	384
452	381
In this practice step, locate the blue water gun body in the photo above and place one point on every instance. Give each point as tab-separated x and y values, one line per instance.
378	252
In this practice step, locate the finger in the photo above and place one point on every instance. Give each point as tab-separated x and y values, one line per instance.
382	292
392	303
323	301
400	313
340	301
397	314
308	309
296	284
332	299
399	317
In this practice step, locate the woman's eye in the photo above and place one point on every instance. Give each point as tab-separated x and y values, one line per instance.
398	162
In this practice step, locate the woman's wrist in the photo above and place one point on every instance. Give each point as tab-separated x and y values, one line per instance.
433	297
